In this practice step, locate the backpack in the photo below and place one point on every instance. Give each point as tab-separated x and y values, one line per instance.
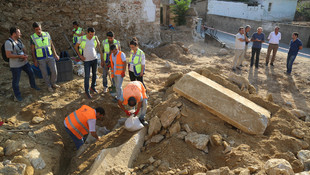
5	58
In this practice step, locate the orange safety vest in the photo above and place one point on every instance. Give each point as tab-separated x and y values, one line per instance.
134	89
77	121
119	65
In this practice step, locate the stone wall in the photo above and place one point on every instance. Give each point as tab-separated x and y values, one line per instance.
232	25
127	18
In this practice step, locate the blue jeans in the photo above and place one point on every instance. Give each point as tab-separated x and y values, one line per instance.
87	65
255	51
104	78
78	142
16	77
289	63
143	109
118	79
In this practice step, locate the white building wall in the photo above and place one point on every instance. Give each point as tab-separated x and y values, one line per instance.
283	10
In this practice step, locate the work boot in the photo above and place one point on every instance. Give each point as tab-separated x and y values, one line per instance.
88	95
36	88
18	99
105	90
271	64
144	123
93	90
50	89
55	86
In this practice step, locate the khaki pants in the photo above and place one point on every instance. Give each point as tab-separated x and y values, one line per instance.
239	56
274	48
245	51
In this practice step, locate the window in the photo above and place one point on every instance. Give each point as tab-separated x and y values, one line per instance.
269	7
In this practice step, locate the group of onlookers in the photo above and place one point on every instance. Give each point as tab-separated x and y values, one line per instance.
257	38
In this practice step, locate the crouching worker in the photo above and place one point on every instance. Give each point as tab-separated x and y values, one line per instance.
134	93
82	121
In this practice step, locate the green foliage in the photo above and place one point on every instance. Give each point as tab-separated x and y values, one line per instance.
179	9
303	9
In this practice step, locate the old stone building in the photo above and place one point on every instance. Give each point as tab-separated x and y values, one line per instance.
127	18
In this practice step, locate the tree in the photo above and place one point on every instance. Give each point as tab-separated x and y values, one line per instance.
179	9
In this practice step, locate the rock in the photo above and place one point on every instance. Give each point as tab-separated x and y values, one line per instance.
141	166
307	119
167	65
244	172
175	128
12	147
304	157
13	169
269	97
227	147
299	113
303	173
224	103
239	80
223	52
304	145
297	165
157	138
199	141
221	171
200	173
172	78
253	169
164	166
29	169
151	160
185	171
36	160
278	166
181	135
37	120
187	128
154	126
157	163
298	133
307	165
216	140
168	116
1	151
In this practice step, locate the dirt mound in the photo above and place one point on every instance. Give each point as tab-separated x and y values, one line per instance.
175	51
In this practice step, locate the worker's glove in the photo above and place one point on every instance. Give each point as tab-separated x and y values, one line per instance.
128	113
123	74
137	111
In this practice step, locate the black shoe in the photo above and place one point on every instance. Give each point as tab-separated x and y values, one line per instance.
93	90
233	69
256	67
240	65
267	64
144	123
36	88
238	68
271	64
88	95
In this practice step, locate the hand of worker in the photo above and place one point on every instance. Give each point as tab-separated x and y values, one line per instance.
123	74
102	65
141	74
56	57
24	57
82	58
128	113
137	111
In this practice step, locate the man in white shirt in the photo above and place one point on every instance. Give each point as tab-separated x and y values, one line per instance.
274	39
239	49
86	48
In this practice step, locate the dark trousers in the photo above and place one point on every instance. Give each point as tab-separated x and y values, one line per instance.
289	63
133	77
78	142
16	72
87	65
257	52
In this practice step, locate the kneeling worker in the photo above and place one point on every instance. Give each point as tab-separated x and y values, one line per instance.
82	121
134	93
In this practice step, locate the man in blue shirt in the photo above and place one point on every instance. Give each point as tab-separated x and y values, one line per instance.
258	38
295	46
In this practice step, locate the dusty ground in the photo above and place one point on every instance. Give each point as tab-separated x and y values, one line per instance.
183	55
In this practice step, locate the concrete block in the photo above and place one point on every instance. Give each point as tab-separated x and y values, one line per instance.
121	156
224	103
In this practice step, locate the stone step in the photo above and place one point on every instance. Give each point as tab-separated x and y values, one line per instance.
224	103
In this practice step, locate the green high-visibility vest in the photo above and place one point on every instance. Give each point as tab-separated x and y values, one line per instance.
136	61
42	45
75	36
83	43
106	47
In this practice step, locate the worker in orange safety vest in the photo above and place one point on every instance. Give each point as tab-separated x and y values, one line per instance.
82	121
